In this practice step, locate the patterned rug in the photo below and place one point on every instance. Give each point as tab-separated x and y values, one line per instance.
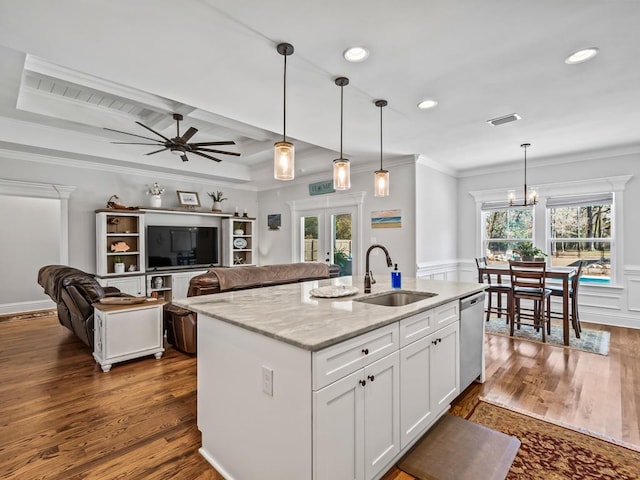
549	451
593	341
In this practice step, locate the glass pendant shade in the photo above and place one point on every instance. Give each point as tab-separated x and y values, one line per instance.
381	185
341	174
283	161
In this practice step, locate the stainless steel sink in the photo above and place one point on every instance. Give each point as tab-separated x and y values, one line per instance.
396	298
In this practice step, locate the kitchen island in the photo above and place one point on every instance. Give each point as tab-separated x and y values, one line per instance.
292	386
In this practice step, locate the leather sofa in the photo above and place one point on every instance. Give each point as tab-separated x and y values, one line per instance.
181	324
74	292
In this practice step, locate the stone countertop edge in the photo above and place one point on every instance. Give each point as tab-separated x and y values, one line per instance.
288	313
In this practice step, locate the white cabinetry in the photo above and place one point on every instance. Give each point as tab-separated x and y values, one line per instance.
356	422
125	332
180	283
131	285
119	239
238	241
430	368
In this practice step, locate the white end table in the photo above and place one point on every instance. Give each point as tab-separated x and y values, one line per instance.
123	332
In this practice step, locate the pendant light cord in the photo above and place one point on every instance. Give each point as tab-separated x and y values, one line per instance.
380	137
341	113
284	115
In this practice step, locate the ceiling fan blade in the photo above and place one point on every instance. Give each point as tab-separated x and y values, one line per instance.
184	158
132	134
189	133
216	151
206	156
158	151
208	144
138	143
152	130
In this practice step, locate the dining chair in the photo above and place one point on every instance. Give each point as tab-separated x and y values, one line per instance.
495	286
556	291
528	283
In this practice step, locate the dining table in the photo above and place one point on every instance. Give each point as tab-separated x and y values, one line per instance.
562	273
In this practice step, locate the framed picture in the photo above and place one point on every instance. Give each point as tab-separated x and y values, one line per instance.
274	221
188	199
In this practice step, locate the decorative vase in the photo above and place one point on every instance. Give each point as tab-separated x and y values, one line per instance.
118	267
238	231
157	282
156	201
217	207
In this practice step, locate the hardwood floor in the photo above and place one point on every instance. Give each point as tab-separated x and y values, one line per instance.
61	417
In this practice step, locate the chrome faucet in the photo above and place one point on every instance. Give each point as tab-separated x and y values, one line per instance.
368	276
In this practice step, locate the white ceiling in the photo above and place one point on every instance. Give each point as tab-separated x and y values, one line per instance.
70	67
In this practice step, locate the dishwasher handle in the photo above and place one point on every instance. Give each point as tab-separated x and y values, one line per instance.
471	301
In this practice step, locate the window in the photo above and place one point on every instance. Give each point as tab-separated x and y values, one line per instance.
503	230
580	228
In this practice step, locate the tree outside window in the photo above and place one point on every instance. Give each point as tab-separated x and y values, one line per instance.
504	230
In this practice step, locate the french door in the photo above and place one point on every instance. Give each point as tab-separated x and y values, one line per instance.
327	235
329	230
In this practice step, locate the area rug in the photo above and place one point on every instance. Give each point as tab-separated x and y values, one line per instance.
550	451
593	341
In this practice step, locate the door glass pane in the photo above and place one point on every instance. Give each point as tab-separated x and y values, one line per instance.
342	235
310	247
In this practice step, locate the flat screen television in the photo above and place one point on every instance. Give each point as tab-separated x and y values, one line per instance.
174	246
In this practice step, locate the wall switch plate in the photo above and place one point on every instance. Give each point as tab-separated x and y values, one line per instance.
267	380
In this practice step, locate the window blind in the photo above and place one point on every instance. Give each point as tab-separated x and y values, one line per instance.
580	200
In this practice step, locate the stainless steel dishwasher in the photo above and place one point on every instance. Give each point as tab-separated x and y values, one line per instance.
471	339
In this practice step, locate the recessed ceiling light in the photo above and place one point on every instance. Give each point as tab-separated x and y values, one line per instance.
426	104
581	56
356	54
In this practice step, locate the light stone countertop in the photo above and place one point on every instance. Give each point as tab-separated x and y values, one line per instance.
290	314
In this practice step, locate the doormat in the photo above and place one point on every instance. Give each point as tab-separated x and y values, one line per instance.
592	341
457	449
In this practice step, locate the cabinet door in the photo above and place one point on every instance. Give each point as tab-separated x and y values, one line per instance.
180	283
338	429
445	367
131	285
415	389
381	413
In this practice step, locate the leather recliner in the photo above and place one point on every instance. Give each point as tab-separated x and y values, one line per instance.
74	292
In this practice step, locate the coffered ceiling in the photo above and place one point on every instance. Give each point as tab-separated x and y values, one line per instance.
70	68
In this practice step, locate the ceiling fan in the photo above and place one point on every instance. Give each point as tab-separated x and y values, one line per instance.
179	144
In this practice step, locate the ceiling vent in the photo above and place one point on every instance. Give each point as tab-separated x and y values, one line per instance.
512	117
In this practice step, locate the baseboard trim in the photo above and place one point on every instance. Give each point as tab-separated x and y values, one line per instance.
10	308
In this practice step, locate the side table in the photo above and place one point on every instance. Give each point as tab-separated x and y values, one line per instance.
123	332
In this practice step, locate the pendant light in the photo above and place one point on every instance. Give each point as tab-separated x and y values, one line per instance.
341	167
381	185
530	198
284	152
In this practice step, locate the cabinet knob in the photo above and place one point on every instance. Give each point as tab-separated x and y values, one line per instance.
365	351
371	378
363	382
435	342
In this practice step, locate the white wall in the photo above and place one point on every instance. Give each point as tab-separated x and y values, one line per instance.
30	239
436	225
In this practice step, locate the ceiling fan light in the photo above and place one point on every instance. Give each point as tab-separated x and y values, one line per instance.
177	150
283	161
341	174
381	183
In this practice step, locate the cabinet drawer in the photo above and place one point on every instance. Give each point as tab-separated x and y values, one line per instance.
346	357
446	314
416	327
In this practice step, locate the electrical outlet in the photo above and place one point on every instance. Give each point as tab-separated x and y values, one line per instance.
267	380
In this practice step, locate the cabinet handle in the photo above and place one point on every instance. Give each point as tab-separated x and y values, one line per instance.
371	377
435	342
365	351
363	382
